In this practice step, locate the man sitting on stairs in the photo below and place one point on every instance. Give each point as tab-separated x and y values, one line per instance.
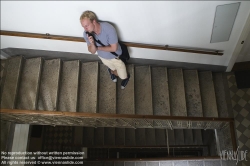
102	37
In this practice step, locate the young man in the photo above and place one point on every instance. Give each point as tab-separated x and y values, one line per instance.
106	34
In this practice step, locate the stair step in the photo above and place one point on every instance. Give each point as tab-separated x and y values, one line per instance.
212	163
130	137
88	136
179	136
99	136
220	95
152	163
69	86
3	67
180	163
227	95
140	135
160	91
207	94
88	87
125	97
160	136
128	163
109	136
197	135
143	91
9	91
107	92
188	137
166	163
171	137
47	99
108	163
193	96
119	163
176	92
120	136
29	84
139	163
150	137
195	163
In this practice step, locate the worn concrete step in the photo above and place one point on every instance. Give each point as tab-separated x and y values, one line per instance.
119	136
150	137
109	136
129	163
160	136
48	91
152	163
208	99
126	98
197	137
3	68
192	91
69	86
141	163
119	163
143	91
224	138
212	163
29	84
130	137
140	135
176	92
99	136
171	137
160	91
209	140
9	91
220	95
88	136
188	137
179	137
107	92
88	88
227	95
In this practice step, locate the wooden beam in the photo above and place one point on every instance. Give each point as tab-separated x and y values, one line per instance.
129	44
98	115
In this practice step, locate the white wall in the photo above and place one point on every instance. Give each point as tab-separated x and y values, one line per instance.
180	23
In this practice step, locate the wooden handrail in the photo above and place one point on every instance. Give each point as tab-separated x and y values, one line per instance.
81	39
100	115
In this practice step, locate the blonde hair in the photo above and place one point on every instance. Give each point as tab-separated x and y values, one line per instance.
90	15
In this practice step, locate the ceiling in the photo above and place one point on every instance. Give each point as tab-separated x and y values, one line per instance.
173	23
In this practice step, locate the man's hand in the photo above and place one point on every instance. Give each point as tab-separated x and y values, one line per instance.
91	40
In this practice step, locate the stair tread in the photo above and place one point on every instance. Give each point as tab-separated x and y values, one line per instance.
208	95
29	84
140	135
130	137
47	99
109	136
179	136
143	91
192	91
150	137
125	97
160	136
177	93
88	136
69	86
220	95
99	136
107	92
188	137
88	87
120	136
9	91
160	90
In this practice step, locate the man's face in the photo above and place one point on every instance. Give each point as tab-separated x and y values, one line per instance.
88	25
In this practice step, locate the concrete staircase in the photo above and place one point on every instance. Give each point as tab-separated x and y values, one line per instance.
74	86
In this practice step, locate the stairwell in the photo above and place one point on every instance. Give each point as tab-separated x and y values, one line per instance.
75	86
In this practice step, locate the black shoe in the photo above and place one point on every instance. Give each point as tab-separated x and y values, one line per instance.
112	76
125	82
